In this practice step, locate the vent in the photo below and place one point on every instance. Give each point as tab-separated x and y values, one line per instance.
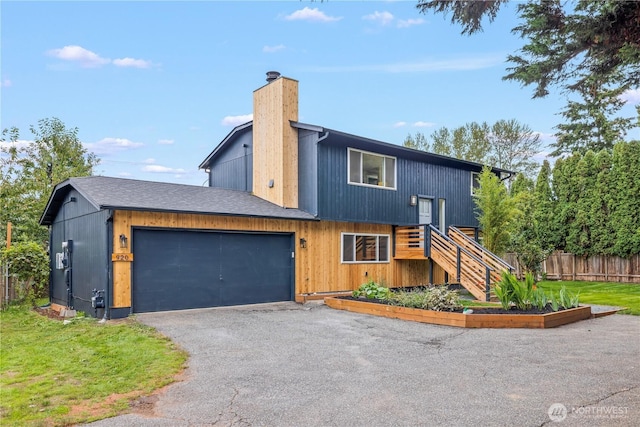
272	75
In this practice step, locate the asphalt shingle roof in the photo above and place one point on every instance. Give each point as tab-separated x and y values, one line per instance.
129	194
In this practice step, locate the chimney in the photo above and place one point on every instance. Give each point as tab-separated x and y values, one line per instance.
275	141
272	75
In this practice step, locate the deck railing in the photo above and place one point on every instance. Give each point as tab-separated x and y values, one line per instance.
426	241
497	264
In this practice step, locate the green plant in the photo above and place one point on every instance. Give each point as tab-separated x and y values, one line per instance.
372	290
521	294
29	266
567	298
437	298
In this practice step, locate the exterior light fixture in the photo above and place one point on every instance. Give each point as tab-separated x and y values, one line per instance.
413	200
123	242
303	243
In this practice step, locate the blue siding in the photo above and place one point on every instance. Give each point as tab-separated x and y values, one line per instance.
233	168
338	200
87	227
308	171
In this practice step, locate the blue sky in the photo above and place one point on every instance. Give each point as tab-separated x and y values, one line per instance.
154	86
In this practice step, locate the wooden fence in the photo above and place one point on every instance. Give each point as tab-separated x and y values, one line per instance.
597	268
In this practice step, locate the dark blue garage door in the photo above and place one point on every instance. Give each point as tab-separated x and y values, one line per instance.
180	269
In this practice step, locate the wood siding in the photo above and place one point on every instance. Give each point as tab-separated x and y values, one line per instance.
317	267
275	142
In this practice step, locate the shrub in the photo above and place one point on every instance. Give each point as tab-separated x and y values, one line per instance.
29	265
372	290
437	298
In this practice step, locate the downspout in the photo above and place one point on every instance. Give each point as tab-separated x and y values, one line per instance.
246	168
109	269
52	263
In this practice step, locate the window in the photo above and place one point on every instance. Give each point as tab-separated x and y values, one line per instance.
371	169
475	182
360	248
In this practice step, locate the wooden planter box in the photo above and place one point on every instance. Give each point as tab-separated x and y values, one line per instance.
475	320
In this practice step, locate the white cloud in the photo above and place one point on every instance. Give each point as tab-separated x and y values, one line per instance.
381	18
273	49
452	64
236	120
313	15
399	124
125	174
112	145
149	161
162	169
85	57
6	83
421	124
406	23
132	62
632	96
546	137
19	144
166	141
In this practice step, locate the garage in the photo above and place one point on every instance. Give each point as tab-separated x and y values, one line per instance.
182	269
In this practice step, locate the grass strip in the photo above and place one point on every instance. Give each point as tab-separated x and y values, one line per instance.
57	374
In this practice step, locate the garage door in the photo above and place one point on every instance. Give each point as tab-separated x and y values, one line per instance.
178	269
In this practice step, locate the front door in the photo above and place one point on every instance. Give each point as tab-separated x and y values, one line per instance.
424	210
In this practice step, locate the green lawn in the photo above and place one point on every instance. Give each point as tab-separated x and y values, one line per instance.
56	374
604	293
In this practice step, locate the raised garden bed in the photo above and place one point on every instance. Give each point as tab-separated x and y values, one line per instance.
475	320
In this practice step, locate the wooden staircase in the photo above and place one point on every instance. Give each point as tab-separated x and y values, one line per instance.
461	257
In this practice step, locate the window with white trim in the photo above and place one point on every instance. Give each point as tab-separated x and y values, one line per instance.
364	248
475	182
371	169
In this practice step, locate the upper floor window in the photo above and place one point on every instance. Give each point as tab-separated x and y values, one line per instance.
371	169
475	182
360	248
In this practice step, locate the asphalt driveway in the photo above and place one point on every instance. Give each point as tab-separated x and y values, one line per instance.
286	364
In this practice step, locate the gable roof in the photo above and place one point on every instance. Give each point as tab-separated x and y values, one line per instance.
335	137
130	194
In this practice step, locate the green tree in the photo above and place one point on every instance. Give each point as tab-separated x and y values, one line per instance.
513	145
495	210
544	212
588	47
600	222
567	43
592	124
578	229
419	142
625	199
29	171
507	144
565	187
524	240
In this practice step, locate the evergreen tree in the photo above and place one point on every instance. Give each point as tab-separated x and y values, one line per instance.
592	124
599	217
544	212
625	200
578	230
